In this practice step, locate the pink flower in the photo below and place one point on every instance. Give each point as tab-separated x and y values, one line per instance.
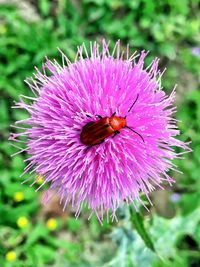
120	167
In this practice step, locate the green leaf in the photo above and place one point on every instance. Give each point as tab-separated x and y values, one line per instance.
138	223
12	214
38	232
73	224
44	6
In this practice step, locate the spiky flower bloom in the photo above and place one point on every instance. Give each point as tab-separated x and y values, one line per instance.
120	168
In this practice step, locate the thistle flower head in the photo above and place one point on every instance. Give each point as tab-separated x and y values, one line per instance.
120	167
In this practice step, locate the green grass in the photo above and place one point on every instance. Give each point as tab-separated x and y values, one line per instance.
169	30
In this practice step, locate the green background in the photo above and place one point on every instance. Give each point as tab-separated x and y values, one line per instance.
170	30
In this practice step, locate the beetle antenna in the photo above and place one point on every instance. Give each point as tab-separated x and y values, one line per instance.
135	132
132	104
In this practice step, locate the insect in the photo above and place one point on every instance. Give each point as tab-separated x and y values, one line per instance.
95	132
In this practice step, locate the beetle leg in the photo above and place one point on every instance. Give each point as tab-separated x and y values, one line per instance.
101	141
113	114
87	148
88	116
99	116
94	145
115	133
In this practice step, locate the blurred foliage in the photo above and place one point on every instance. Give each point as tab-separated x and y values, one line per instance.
34	235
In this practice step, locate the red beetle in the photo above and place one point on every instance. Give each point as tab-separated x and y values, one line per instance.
95	132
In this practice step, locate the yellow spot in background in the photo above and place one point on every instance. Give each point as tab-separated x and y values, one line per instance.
18	196
3	29
11	255
40	179
22	222
51	224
